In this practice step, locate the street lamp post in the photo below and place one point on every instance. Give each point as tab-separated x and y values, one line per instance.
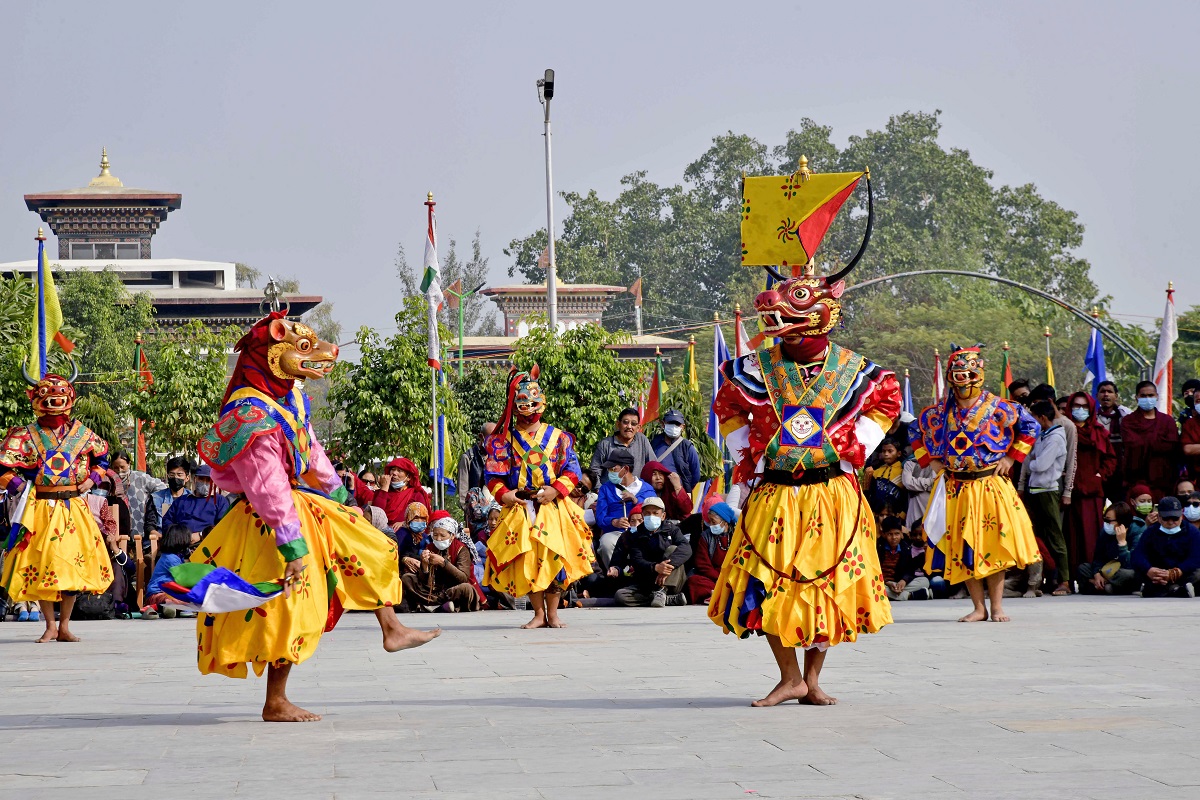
545	87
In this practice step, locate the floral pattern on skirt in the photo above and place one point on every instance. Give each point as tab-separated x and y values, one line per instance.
553	550
60	549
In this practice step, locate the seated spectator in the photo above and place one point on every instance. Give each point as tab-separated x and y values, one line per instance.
621	490
364	487
1168	555
676	453
657	552
710	552
379	520
883	482
1191	509
485	533
669	487
918	481
1110	570
410	536
200	509
179	472
400	488
1183	490
444	578
1142	500
903	576
628	438
172	551
583	496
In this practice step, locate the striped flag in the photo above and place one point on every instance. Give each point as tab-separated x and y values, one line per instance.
47	316
658	390
1006	376
907	403
720	356
939	379
690	368
1164	360
437	459
1095	371
432	288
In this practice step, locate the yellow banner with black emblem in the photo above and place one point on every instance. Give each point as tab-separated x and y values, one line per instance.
785	217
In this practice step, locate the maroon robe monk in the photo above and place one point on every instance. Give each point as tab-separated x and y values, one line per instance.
1096	461
1150	441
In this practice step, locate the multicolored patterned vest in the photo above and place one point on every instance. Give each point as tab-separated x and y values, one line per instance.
804	408
532	455
250	414
58	458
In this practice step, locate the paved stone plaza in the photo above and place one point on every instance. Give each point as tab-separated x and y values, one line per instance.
1078	698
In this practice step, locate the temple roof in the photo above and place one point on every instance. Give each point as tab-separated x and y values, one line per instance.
106	188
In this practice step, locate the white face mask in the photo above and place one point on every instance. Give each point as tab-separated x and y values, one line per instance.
440	545
1192	513
672	430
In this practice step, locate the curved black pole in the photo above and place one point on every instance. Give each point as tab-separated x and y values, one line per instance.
1129	349
862	248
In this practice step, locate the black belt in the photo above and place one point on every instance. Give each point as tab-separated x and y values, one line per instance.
806	478
53	494
971	476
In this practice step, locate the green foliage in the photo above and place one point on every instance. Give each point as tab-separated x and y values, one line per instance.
16	320
481	394
94	412
479	314
189	367
584	383
103	319
384	399
692	404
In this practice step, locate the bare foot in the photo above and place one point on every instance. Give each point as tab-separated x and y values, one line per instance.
552	621
286	711
816	697
1032	593
48	636
67	636
978	615
406	639
1000	616
782	693
538	621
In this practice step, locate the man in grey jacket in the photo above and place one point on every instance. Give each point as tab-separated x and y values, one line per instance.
1041	485
628	437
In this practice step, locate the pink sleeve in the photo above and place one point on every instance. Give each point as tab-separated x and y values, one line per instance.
320	465
263	476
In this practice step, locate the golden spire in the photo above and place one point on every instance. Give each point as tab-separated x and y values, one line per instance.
802	169
41	237
716	316
105	178
906	372
692	339
1006	345
1047	332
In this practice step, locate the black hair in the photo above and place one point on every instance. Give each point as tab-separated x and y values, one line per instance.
1020	383
176	539
364	471
627	412
1043	408
180	462
1043	391
122	454
1123	512
891	524
1142	385
1102	384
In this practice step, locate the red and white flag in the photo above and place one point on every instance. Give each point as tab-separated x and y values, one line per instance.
939	379
1164	361
432	287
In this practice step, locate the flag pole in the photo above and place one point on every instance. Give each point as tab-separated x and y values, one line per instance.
41	303
429	204
1049	363
737	330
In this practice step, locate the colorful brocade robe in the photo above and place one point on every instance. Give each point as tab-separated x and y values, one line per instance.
528	460
783	416
974	439
50	458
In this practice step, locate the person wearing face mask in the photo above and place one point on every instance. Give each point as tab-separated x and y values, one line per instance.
179	472
444	579
710	549
620	492
1040	485
1189	439
675	452
1191	387
658	551
1110	570
400	486
411	536
200	509
1191	508
1096	461
1150	441
139	487
1168	555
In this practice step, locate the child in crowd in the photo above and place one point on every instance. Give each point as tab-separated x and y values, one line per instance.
172	551
1110	570
882	483
901	568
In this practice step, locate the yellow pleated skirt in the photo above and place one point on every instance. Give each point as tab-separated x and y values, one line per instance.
552	551
987	530
802	566
60	550
350	565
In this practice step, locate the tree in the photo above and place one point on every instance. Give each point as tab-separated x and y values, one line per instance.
184	400
16	322
103	319
324	418
384	399
481	394
585	385
247	276
479	315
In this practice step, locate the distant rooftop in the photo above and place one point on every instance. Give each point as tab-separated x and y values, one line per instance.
105	188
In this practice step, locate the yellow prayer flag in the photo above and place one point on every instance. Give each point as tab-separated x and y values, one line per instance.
784	217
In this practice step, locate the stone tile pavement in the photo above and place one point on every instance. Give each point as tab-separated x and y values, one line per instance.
1078	698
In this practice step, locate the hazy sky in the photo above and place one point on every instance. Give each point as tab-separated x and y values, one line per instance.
304	136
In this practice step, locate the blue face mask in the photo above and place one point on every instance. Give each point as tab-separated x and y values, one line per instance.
1110	528
651	523
717	530
1170	531
614	477
1147	403
1079	414
100	492
417	525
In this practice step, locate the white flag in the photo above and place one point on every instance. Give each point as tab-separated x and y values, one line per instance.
1164	368
431	285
